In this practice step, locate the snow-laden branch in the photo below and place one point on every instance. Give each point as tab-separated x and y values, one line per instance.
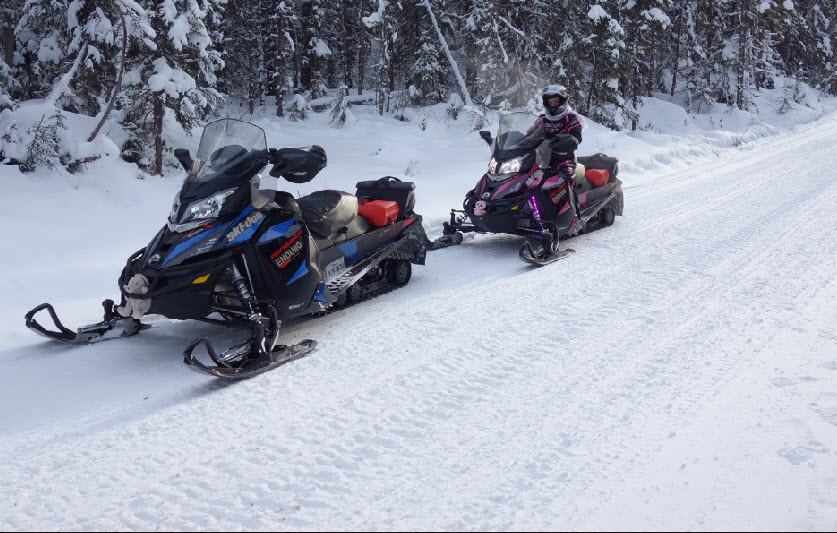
63	86
509	24
500	42
453	65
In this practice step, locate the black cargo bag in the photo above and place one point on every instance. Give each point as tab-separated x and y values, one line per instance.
601	162
389	188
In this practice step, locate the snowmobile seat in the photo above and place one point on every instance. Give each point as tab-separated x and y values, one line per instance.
328	212
357	227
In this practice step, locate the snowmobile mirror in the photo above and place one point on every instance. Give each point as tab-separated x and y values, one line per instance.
486	136
182	155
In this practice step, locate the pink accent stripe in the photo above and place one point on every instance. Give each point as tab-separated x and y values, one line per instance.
506	185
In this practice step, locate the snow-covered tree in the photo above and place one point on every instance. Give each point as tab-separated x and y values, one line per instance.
646	27
605	45
174	70
426	74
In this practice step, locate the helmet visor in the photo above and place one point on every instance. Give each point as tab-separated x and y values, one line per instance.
555	101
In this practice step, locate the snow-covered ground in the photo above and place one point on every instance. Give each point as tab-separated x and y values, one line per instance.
677	372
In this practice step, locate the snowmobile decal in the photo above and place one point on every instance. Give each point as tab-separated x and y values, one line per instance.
288	251
511	186
274	232
320	296
185	245
301	271
559	193
350	249
245	229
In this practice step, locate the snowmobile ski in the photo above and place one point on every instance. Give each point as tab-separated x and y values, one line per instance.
532	256
246	366
113	326
444	241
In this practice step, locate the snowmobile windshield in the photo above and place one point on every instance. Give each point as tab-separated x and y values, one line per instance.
516	136
229	149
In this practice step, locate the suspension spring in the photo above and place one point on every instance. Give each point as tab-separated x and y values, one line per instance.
243	292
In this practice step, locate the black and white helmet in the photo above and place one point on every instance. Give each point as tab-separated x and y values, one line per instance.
555	99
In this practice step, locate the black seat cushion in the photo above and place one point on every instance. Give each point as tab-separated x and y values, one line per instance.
326	212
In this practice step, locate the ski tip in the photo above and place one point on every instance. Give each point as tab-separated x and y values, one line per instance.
309	343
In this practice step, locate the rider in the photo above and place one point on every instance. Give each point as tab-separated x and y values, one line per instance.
559	118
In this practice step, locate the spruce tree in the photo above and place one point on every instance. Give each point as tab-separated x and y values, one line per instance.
177	67
426	74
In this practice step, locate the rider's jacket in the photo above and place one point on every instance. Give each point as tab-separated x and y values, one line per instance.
569	123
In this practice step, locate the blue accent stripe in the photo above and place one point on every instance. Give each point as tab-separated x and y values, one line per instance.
349	249
319	297
301	271
188	243
276	231
247	210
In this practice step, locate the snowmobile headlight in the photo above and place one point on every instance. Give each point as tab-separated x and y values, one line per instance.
492	166
198	212
512	166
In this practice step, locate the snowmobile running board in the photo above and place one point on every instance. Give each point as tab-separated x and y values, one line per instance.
113	326
247	368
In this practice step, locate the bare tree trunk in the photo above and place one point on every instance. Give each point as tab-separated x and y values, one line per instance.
8	45
158	134
348	54
589	109
118	87
361	56
306	74
384	67
742	54
280	73
678	38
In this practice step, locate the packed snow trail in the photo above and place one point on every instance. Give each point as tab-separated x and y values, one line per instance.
676	373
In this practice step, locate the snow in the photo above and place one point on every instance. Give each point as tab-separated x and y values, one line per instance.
657	14
320	47
677	372
179	31
597	12
174	82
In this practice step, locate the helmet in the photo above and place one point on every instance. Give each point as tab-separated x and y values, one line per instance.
555	99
